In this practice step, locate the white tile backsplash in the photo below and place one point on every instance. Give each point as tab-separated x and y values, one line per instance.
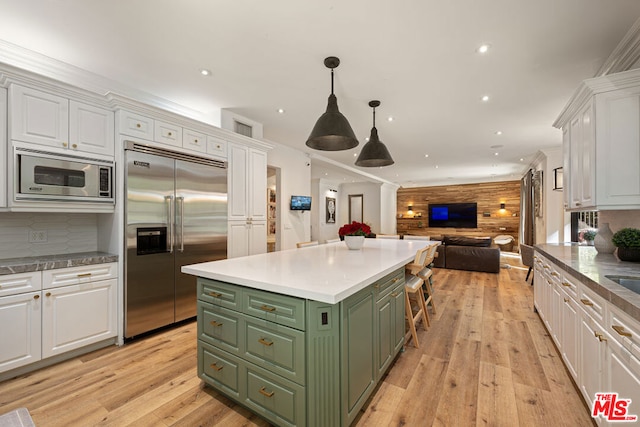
66	233
620	219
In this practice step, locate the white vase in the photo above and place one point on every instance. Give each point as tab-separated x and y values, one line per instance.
354	242
603	242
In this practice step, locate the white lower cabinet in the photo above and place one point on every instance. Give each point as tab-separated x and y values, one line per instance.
246	238
78	315
20	327
599	343
44	314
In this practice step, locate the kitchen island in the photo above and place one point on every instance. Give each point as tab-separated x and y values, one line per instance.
302	337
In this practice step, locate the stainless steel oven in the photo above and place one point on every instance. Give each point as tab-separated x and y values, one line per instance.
40	175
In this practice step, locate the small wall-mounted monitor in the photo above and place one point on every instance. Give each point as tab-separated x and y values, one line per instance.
300	203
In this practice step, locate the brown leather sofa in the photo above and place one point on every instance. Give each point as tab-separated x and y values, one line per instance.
468	253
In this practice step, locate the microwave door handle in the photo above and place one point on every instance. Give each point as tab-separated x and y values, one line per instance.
180	201
169	202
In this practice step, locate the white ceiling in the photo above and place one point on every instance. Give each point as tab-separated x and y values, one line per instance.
418	57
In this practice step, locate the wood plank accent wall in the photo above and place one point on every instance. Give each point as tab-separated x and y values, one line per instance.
488	196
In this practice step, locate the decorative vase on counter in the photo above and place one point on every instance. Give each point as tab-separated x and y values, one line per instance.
354	242
603	242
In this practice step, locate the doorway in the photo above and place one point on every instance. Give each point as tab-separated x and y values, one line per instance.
273	213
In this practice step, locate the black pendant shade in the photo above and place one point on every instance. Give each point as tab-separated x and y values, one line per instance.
332	131
374	153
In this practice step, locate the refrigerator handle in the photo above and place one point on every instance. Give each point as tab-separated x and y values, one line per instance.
169	201
180	202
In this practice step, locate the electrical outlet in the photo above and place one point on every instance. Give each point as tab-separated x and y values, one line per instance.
37	236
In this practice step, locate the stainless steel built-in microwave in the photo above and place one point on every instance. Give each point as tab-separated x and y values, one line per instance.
41	175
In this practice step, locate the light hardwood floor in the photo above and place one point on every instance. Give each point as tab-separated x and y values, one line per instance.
485	360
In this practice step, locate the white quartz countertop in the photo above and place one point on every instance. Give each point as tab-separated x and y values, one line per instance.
327	273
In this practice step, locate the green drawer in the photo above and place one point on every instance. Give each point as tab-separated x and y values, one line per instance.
276	399
219	369
384	286
278	348
282	309
219	293
219	326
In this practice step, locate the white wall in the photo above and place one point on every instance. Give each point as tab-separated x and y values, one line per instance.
388	208
555	218
320	229
371	203
295	179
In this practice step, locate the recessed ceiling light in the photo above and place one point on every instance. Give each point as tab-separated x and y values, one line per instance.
521	159
498	132
485	98
205	72
496	153
436	166
483	48
281	110
355	154
389	119
326	173
426	155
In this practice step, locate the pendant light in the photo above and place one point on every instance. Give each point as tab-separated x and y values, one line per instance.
374	153
332	131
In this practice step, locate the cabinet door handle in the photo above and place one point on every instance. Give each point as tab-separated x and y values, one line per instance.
586	302
566	284
74	145
169	134
216	367
620	330
80	275
64	144
214	294
138	125
214	323
566	300
265	342
267	308
265	392
48	294
36	297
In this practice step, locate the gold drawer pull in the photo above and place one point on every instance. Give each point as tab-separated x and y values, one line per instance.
546	267
599	336
566	284
215	294
265	342
74	145
36	297
169	134
214	323
83	275
138	125
586	302
268	308
395	280
620	330
394	294
48	294
566	300
554	274
216	367
265	392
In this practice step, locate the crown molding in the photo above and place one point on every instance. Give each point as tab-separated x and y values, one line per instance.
38	70
625	54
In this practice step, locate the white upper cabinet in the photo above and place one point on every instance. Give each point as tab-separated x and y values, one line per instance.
42	118
601	137
195	141
247	183
91	129
3	147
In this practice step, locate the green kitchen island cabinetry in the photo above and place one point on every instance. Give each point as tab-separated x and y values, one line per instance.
280	335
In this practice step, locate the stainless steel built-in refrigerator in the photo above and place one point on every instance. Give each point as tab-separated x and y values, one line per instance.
176	214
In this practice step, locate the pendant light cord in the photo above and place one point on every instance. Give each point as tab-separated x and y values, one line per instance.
374	116
332	81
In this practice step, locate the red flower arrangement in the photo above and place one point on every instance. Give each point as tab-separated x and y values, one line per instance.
354	229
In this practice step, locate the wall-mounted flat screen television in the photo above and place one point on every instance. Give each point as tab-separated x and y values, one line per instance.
454	215
300	203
